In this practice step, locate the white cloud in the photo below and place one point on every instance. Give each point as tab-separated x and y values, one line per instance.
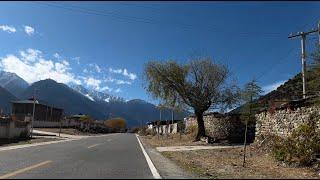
117	71
109	79
65	62
129	75
117	90
268	88
56	55
122	82
9	29
106	88
77	59
124	72
97	68
32	67
29	30
30	55
85	70
92	82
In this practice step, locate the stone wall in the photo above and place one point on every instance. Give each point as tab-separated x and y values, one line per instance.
224	127
282	122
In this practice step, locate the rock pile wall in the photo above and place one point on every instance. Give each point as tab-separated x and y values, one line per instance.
283	121
224	127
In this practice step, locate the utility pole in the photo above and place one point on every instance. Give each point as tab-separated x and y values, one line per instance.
245	133
172	115
303	36
34	107
319	33
63	116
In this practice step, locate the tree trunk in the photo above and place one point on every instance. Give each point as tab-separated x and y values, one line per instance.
201	129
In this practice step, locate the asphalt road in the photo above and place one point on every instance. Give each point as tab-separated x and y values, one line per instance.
111	156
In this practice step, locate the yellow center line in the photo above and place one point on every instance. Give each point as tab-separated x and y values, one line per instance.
6	176
93	146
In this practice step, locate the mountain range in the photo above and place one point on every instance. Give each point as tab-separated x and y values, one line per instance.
13	83
76	99
5	99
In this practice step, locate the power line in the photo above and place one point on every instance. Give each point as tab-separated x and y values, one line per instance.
153	21
282	59
275	64
155	9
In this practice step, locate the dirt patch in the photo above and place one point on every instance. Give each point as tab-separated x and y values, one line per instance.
13	142
227	163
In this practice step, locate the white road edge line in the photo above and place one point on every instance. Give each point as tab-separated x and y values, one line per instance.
153	169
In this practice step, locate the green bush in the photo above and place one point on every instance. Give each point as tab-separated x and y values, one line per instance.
301	146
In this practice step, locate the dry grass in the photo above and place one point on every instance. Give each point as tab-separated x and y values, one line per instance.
226	163
171	140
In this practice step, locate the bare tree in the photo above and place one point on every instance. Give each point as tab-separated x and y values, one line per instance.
199	84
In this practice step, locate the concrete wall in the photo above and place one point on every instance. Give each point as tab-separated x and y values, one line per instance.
13	129
166	129
282	122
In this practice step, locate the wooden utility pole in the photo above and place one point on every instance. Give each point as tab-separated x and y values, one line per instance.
245	133
33	111
319	33
303	36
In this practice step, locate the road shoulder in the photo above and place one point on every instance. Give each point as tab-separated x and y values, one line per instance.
166	168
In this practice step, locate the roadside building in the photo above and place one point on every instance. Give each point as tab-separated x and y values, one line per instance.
44	116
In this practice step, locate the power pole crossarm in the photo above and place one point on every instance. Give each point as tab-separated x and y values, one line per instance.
303	36
303	33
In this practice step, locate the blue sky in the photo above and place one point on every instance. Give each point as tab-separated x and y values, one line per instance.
104	45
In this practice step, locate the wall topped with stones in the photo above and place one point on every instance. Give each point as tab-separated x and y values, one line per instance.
283	121
223	127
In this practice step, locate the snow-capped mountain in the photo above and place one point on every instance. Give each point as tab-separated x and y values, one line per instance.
94	95
75	99
13	83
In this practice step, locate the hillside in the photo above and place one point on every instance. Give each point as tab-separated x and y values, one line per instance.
60	95
13	83
72	101
290	90
5	100
75	99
